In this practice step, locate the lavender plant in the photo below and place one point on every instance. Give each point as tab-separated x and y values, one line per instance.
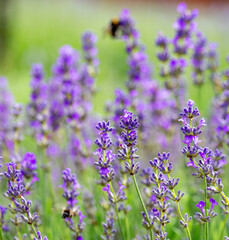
70	187
59	125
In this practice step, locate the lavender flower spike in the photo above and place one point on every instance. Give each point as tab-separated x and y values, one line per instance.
71	186
129	123
39	237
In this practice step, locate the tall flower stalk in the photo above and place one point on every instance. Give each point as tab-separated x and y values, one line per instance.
129	123
203	168
165	188
105	169
19	205
72	210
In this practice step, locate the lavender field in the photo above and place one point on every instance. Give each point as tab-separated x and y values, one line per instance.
116	129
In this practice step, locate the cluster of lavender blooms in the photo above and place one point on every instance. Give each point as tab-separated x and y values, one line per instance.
6	107
143	94
70	187
20	208
107	173
207	168
60	121
173	67
65	101
162	193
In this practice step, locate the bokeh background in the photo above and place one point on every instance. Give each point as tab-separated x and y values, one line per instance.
32	31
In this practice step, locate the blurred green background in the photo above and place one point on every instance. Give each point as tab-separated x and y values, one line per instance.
37	29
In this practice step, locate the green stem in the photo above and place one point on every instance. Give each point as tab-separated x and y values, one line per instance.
206	211
224	225
34	230
119	222
178	209
127	228
49	176
143	205
159	187
1	238
18	233
116	210
181	217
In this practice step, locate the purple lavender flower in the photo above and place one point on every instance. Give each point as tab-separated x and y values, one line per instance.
176	67
39	237
36	82
6	103
38	107
70	187
56	113
164	190
190	133
17	126
120	196
139	69
66	61
205	215
90	51
213	203
29	166
15	192
108	226
184	26
127	28
129	123
199	59
189	112
106	157
38	94
2	215
218	160
15	182
162	42
201	206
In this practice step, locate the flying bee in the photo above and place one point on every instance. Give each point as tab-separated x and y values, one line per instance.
67	213
113	27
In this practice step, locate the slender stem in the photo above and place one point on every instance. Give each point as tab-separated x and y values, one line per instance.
224	225
119	222
34	230
206	211
187	228
49	176
127	228
116	208
159	187
18	232
1	238
178	209
221	193
143	205
202	230
28	232
126	218
117	212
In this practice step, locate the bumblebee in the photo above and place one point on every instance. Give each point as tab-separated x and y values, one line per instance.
67	213
114	27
